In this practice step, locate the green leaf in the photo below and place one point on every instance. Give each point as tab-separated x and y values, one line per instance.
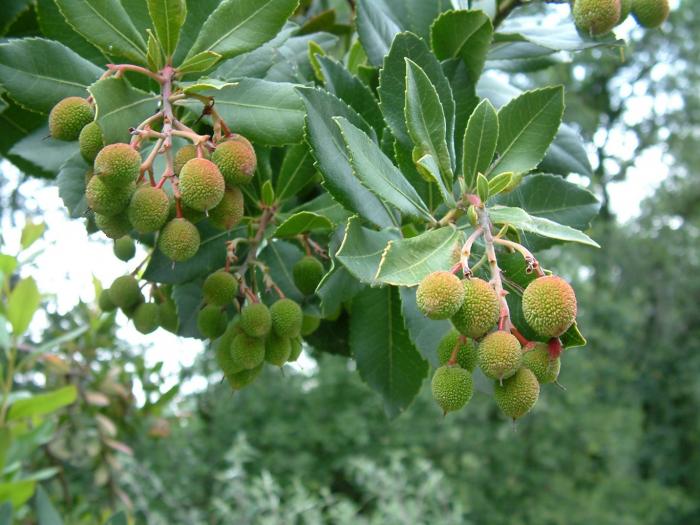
6	513
168	16
280	257
425	333
8	264
188	301
566	154
428	168
479	144
17	493
405	262
121	106
463	34
71	185
42	404
31	233
386	358
47	155
302	222
500	182
237	26
267	194
205	84
315	52
527	126
22	305
5	442
520	219
482	187
38	73
338	285
376	171
297	171
117	519
376	29
46	514
199	63
155	53
106	24
361	250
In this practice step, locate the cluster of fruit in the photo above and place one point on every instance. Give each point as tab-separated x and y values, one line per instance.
517	366
598	17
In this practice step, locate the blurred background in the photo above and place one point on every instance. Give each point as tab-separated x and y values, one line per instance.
156	432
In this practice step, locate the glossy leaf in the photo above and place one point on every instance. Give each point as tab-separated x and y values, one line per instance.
200	62
42	404
302	222
168	16
46	155
479	144
297	171
17	493
71	185
376	29
280	256
22	305
425	333
361	250
46	513
31	233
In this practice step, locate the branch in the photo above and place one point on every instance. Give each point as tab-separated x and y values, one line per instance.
496	280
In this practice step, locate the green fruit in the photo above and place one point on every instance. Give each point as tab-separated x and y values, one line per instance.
596	17
518	394
105	302
90	141
480	309
625	9
236	159
466	353
229	212
538	360
211	321
247	352
549	306
256	320
440	295
179	240
106	200
186	153
148	209
113	227
452	387
125	291
309	324
130	310
118	165
69	117
220	288
201	184
499	355
146	318
307	273
277	349
650	13
124	248
222	351
286	318
244	378
296	349
168	316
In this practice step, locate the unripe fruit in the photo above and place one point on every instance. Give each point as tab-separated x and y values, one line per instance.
247	352
105	302
256	320
538	360
148	209
222	351
596	17
114	227
229	211
117	165
130	310
309	324
243	378
286	318
479	311
440	295
168	316
650	13
125	291
107	200
296	349
179	240
277	349
124	248
307	273
452	387
185	153
220	288
69	117
236	159
549	306
625	9
211	321
499	355
201	184
466	351
146	318
90	141
518	394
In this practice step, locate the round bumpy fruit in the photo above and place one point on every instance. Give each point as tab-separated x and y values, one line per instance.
479	311
115	226
296	349
107	200
309	324
549	306
211	321
220	288
229	211
146	318
125	291
186	153
452	387
307	273
440	295
117	165
518	394
650	13
247	352
256	320
538	360
277	349
625	9
148	209
596	17
222	350
236	159
168	316
466	351
286	318
243	378
69	117
90	141
499	355
124	248
179	240
105	302
201	184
